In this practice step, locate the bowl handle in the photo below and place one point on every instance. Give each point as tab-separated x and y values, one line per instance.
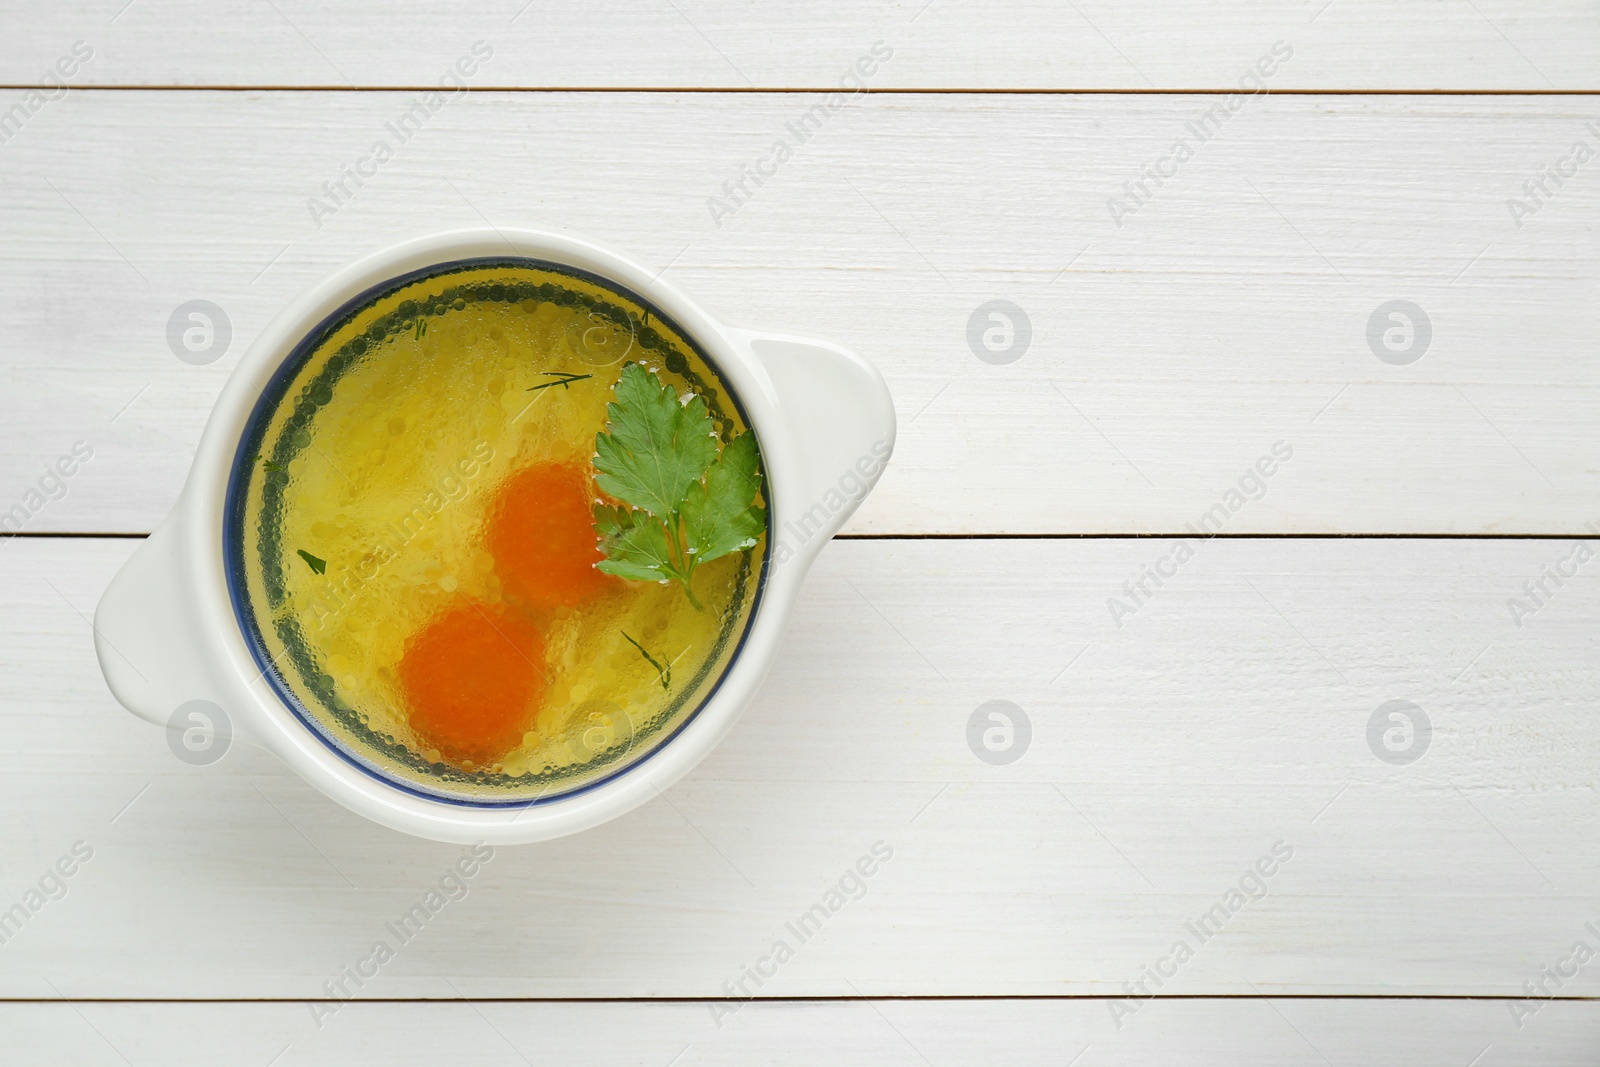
144	633
840	420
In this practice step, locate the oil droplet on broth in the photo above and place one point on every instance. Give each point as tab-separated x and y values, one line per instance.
453	502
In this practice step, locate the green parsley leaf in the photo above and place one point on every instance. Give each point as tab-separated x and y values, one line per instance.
641	553
654	447
612	522
684	503
318	565
719	515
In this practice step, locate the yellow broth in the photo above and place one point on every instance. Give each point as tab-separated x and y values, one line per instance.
361	513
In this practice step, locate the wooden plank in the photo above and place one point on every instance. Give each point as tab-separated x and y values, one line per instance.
1228	1032
1184	44
1168	356
1168	757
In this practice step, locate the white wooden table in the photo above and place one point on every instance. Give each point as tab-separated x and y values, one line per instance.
1434	880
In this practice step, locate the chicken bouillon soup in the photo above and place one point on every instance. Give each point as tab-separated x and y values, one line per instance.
496	530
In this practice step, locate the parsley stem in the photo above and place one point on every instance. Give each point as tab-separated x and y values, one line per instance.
563	379
663	674
683	564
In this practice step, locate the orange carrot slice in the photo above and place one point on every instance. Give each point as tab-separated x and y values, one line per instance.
541	534
474	678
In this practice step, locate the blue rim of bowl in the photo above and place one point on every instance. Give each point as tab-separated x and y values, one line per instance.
275	393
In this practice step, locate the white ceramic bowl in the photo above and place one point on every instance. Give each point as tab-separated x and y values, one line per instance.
167	634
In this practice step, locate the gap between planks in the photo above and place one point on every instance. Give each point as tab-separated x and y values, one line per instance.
789	89
963	997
